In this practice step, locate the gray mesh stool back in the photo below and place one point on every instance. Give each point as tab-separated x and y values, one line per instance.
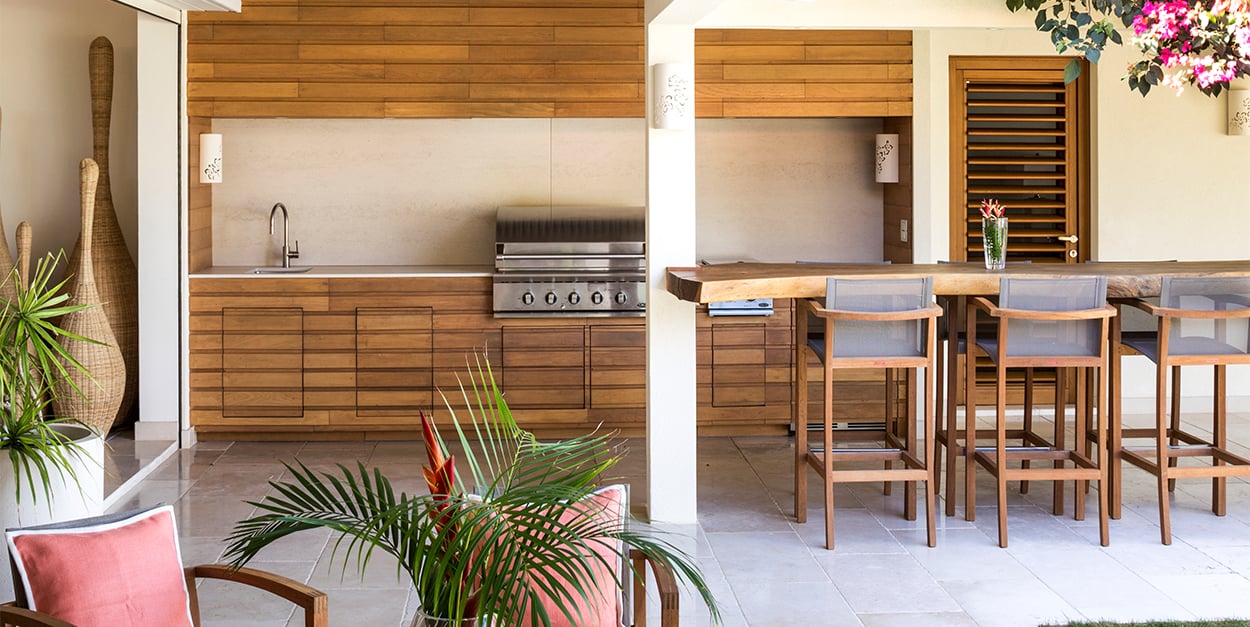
1060	323
1201	321
885	323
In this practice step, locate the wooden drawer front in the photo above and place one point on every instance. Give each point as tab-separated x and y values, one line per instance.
739	371
618	367
544	366
262	362
394	361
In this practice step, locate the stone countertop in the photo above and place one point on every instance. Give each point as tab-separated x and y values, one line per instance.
322	272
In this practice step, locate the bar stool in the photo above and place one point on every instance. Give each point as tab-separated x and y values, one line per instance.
949	444
887	323
1196	316
1042	322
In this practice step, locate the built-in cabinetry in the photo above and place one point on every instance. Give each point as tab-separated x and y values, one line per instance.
360	357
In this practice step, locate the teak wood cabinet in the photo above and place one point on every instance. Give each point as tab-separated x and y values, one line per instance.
359	358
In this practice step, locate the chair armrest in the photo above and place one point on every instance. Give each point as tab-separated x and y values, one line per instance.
932	311
666	587
1106	311
314	601
18	617
1160	311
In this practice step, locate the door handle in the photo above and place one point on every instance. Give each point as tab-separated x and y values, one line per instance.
1068	238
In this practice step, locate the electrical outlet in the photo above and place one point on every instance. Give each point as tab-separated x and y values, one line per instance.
902	231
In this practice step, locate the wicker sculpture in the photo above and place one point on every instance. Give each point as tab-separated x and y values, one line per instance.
101	392
117	278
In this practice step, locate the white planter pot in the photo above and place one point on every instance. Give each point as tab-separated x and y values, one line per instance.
70	499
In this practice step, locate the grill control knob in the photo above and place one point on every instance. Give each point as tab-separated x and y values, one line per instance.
551	298
621	298
574	298
597	298
527	298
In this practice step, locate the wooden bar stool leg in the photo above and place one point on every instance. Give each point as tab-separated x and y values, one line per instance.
828	452
1060	437
911	439
1176	421
1219	489
952	430
930	458
891	423
1028	423
970	422
1162	462
1080	420
1104	531
1000	446
1115	433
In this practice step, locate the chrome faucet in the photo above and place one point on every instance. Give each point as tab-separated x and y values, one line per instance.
288	253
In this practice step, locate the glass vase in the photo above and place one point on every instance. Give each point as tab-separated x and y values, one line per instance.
994	238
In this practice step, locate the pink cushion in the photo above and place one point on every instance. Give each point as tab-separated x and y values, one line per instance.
124	571
603	607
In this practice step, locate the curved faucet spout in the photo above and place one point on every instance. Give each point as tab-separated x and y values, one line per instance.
273	213
287	253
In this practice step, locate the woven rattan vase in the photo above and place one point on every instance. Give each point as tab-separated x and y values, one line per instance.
7	290
100	399
117	280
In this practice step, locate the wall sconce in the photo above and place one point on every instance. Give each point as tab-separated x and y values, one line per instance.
210	157
1239	112
672	85
886	155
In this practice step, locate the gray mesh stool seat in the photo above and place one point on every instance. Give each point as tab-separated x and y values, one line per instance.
886	323
1201	321
1059	323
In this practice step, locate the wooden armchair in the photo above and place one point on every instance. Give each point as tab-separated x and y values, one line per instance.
67	569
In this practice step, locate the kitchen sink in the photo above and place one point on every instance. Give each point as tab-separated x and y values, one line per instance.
280	270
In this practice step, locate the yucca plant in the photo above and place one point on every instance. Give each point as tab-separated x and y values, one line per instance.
527	533
31	359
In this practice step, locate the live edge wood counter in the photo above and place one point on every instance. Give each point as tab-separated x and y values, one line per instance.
733	281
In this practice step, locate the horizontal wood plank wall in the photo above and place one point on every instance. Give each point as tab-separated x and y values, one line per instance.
200	200
802	73
518	58
418	59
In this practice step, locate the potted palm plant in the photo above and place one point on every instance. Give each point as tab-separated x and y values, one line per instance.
521	538
53	468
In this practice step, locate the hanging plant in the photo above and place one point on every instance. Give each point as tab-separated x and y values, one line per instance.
1204	43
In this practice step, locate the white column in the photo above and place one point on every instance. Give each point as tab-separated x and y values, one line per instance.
160	211
671	445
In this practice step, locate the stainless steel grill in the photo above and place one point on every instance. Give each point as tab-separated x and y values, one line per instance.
570	261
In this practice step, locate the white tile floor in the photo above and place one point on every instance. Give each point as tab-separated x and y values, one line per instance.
768	571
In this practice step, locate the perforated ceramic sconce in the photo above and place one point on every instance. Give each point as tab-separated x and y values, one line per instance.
673	87
1239	112
210	158
886	156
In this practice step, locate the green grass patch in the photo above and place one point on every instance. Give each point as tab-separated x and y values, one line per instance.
1230	622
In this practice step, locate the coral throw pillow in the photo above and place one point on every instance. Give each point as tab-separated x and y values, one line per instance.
603	606
108	571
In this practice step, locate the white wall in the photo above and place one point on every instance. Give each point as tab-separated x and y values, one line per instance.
425	191
45	95
787	190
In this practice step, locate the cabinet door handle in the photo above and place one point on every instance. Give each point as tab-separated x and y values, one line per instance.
1068	238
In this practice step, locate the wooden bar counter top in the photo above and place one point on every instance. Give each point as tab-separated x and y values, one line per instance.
735	281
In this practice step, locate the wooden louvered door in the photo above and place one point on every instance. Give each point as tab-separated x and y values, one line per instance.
1021	136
